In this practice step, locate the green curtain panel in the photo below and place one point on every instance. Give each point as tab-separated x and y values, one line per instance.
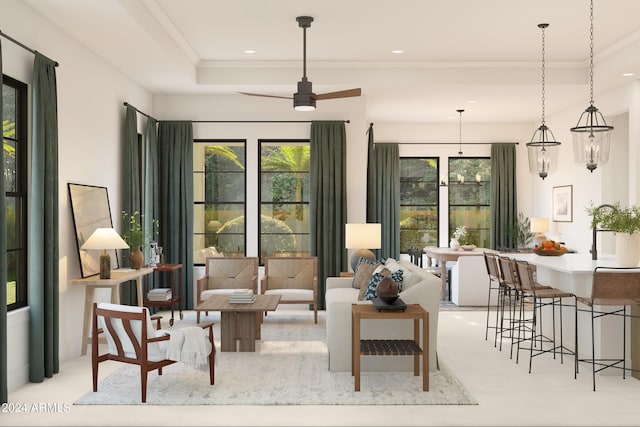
175	171
43	225
130	191
4	390
371	182
328	200
504	207
386	187
150	188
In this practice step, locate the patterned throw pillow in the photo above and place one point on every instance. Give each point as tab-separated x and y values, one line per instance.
370	290
364	271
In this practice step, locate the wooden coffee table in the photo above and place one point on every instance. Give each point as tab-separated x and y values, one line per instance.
239	322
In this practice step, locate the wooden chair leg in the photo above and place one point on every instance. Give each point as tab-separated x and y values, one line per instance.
143	383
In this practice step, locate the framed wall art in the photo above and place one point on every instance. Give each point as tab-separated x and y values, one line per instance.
562	203
90	210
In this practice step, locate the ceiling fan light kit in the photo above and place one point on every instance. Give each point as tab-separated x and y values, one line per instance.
304	99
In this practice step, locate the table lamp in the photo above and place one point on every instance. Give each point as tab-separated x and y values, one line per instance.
362	238
539	226
104	239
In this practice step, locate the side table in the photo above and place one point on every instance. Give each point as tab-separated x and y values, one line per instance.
173	270
394	347
91	283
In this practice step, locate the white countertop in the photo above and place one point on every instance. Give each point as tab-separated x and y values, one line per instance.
568	263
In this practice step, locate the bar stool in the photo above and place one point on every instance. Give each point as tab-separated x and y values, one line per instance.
510	292
542	296
495	286
616	288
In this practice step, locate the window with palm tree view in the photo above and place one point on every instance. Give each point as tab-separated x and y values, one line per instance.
219	186
418	202
469	198
14	133
284	198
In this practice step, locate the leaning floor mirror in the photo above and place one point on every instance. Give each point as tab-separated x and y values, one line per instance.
90	209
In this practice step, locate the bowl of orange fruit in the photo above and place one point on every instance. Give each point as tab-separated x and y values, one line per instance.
550	248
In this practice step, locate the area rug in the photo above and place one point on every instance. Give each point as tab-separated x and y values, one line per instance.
289	367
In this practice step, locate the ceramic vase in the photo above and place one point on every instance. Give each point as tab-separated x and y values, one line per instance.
628	249
136	258
454	244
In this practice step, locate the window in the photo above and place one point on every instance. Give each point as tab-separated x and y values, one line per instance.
14	131
284	198
469	198
219	187
418	202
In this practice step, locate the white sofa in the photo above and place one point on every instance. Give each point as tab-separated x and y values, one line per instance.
339	297
470	282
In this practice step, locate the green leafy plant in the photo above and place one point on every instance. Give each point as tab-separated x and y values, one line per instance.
615	217
521	231
134	232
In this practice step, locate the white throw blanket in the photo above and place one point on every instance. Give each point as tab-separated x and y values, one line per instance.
189	346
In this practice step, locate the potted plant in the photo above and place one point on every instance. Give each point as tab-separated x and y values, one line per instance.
136	236
625	222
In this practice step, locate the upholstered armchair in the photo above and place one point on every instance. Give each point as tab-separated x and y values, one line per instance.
223	275
132	338
295	279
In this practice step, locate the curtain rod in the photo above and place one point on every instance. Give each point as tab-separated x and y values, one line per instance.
126	104
257	121
446	143
25	47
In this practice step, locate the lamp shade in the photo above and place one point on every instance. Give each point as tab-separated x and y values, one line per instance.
363	236
105	238
539	225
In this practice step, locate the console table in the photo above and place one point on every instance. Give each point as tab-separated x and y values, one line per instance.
395	347
94	282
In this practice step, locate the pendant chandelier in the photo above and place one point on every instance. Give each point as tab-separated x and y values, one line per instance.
543	148
460	176
592	135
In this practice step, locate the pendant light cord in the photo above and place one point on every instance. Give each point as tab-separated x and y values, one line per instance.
591	55
543	26
460	131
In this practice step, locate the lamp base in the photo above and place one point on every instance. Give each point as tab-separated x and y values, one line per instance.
538	238
105	265
361	253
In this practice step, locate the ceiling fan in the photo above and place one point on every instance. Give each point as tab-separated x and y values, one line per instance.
304	99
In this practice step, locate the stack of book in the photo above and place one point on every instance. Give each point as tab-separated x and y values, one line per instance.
242	296
159	294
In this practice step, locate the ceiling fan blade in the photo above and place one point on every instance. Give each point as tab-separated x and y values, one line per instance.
265	96
340	94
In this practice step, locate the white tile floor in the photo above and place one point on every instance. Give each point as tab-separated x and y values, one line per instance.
507	394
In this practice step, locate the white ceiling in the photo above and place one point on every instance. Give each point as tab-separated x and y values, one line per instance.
455	51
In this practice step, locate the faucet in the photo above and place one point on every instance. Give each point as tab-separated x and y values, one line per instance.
594	250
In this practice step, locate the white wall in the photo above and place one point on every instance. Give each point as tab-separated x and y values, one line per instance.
90	117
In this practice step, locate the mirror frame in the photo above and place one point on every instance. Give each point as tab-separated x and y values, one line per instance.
90	210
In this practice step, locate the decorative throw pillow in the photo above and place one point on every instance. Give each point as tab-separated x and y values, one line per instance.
370	289
364	271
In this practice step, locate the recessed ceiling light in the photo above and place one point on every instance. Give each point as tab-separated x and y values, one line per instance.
250	51
397	51
473	102
628	74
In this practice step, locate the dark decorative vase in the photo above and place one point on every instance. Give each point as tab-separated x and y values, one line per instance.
136	258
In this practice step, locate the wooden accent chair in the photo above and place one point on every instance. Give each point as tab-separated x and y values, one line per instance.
295	279
223	275
131	338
